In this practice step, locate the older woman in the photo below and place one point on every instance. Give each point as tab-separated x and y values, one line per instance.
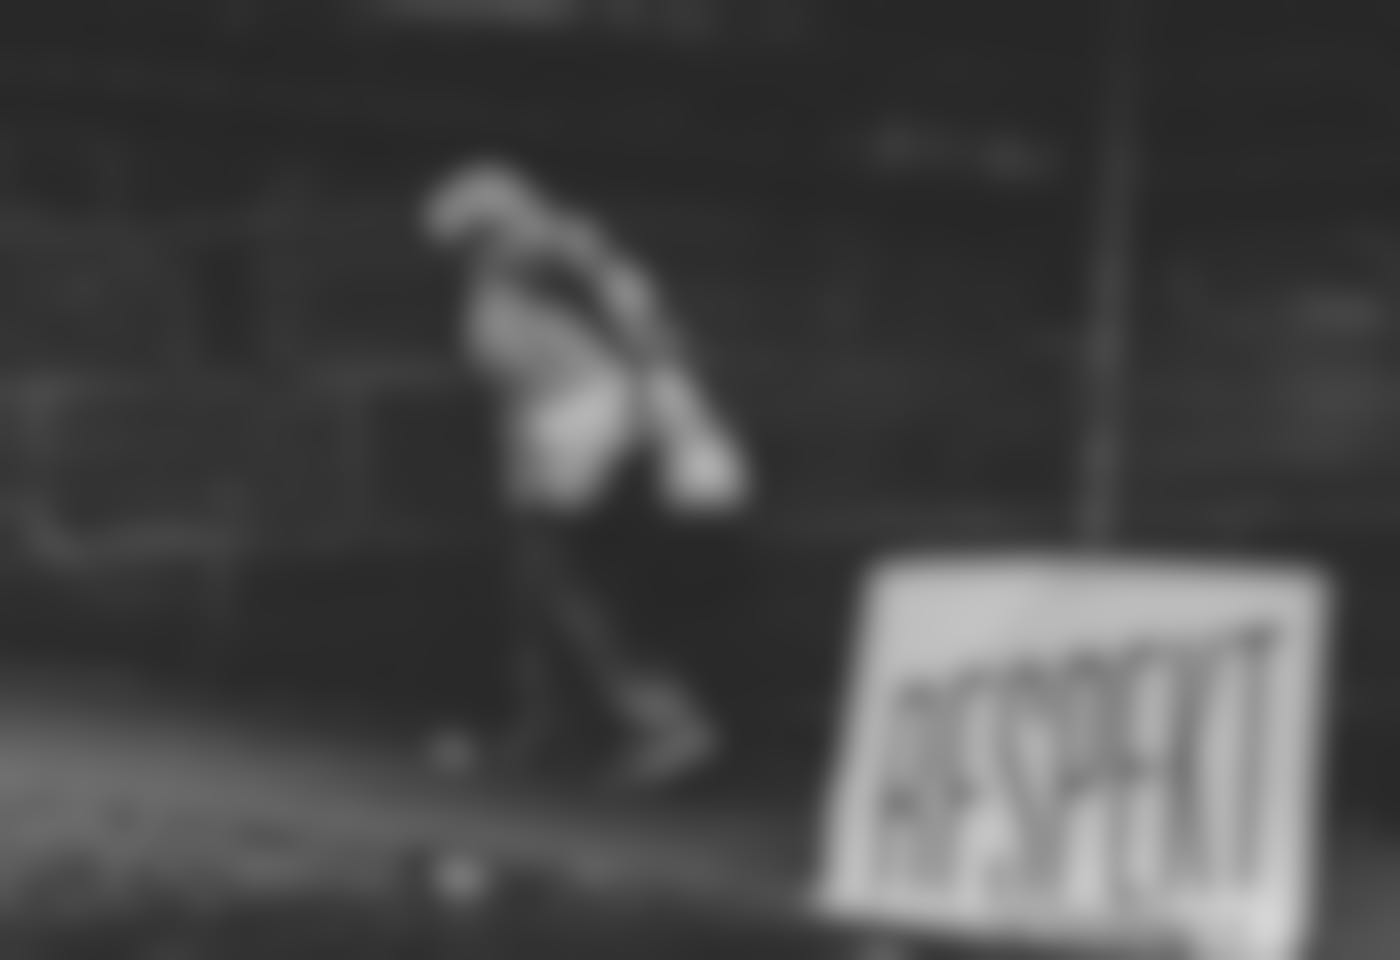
613	459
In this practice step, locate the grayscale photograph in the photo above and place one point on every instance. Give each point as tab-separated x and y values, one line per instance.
699	479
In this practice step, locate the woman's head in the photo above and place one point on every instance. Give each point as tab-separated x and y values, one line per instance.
480	201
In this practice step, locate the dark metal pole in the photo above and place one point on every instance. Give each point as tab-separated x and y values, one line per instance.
1111	279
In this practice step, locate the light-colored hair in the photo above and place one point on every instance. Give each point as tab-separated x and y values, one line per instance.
482	197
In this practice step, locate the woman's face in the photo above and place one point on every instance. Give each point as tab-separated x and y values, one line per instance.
470	249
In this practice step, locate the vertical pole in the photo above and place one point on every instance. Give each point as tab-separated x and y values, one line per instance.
1113	256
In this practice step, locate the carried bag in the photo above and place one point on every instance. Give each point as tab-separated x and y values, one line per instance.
700	465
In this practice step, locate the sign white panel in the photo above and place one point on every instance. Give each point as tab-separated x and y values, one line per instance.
1079	751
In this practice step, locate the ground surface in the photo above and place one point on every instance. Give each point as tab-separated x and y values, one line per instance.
142	824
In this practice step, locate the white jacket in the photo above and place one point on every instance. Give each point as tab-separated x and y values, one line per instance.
574	408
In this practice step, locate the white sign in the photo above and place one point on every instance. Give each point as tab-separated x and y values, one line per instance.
1074	751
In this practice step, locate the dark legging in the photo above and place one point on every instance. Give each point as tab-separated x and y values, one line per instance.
677	593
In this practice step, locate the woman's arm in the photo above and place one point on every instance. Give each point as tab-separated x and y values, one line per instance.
628	295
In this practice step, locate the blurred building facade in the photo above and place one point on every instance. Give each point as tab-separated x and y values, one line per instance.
215	315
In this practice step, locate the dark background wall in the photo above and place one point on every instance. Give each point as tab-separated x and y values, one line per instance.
227	398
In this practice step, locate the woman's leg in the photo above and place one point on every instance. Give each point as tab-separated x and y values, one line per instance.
711	600
555	634
670	730
532	710
571	619
610	602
